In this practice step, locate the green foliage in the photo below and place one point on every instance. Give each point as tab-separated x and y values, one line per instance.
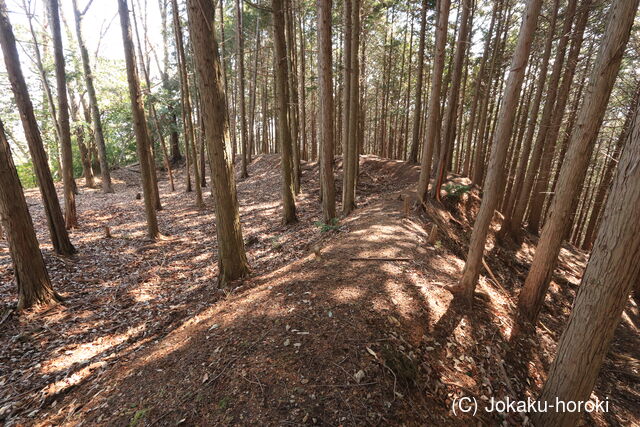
137	417
331	226
26	175
455	191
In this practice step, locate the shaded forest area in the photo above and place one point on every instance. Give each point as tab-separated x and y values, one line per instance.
313	212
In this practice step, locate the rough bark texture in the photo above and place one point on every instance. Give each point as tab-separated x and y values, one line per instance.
59	236
282	101
610	276
71	215
93	104
574	169
495	174
34	286
326	109
232	260
433	119
139	121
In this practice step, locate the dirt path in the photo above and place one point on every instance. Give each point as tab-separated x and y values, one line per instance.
306	339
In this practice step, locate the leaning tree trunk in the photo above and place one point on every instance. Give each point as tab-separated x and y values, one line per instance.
325	69
93	103
574	169
433	119
139	122
71	215
232	260
495	174
282	100
609	278
34	286
59	236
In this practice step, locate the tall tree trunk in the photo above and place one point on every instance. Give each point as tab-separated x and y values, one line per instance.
544	173
454	98
611	273
59	236
574	169
93	102
282	95
64	128
189	133
507	224
545	121
495	174
433	123
417	109
241	94
325	73
139	121
293	94
350	147
232	259
34	286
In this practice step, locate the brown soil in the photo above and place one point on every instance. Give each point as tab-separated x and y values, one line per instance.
145	338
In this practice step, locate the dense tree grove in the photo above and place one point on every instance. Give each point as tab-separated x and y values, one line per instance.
533	104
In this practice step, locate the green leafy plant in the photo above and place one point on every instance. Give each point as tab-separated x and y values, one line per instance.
456	191
331	226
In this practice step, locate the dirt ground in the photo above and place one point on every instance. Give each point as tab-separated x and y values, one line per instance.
318	333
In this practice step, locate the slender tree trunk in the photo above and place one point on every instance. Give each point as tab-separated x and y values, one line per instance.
574	169
59	236
325	73
454	98
93	104
282	95
139	121
241	94
34	286
417	109
544	173
189	133
349	152
495	175
232	259
85	157
433	123
609	278
64	129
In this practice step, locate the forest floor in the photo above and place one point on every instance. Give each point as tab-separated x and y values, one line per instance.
312	336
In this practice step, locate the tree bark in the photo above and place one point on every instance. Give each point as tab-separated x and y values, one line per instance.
574	169
609	278
71	215
34	286
59	236
232	260
139	121
495	174
433	119
282	100
325	73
